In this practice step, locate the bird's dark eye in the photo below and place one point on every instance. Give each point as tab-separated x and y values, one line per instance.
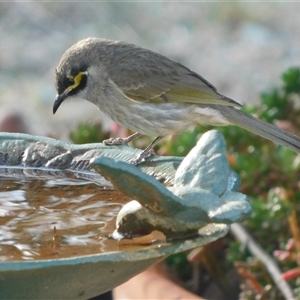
77	82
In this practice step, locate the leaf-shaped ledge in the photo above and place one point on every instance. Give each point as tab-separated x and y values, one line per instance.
36	153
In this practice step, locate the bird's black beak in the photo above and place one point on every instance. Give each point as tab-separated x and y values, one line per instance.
58	101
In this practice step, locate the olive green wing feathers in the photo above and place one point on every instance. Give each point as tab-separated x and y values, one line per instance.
146	76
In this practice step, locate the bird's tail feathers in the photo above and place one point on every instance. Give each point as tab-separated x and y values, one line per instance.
261	128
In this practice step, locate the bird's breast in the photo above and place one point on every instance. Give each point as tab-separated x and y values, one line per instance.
155	119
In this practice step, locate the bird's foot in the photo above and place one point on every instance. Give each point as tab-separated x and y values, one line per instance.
115	141
142	156
121	141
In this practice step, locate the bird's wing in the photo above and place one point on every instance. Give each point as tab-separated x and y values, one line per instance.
146	76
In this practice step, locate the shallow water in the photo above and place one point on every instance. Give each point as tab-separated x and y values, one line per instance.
56	218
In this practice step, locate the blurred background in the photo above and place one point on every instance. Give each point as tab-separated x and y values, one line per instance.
241	48
244	49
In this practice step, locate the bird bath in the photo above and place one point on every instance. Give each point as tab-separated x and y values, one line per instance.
58	215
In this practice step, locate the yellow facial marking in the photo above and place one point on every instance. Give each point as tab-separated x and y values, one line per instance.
76	79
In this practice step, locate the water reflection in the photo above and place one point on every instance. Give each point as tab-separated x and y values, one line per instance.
54	218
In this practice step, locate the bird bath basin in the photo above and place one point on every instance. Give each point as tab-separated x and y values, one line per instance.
57	217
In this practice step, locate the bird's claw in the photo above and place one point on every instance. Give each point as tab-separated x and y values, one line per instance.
115	141
141	157
124	141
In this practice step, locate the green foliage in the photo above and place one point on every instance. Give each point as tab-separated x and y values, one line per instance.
88	133
291	80
180	265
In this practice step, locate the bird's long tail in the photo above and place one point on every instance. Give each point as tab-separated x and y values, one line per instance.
261	128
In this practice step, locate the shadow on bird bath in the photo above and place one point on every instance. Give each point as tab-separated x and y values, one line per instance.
62	222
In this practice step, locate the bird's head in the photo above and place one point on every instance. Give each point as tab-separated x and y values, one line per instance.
75	73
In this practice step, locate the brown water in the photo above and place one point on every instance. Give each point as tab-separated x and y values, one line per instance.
47	219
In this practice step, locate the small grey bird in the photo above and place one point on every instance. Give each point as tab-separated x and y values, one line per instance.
148	93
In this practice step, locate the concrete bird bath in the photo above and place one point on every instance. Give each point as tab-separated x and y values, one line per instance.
62	222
